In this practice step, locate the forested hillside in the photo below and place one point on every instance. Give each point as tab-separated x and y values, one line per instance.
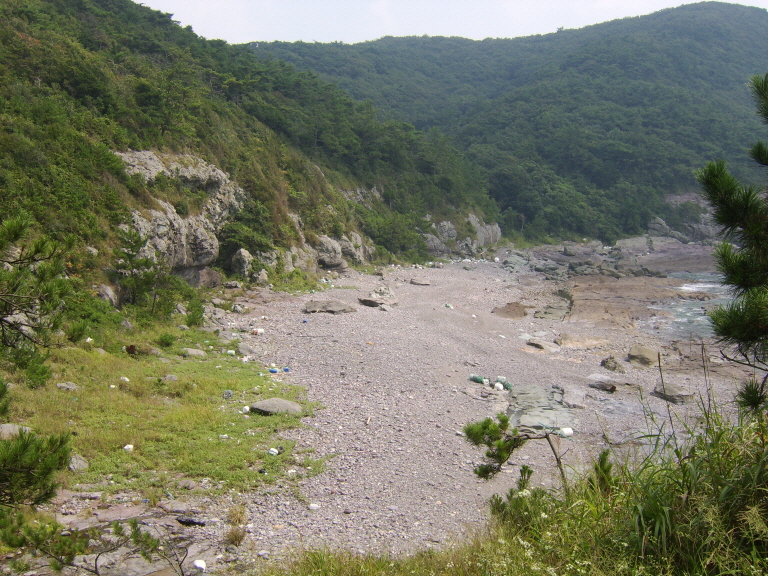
80	79
580	131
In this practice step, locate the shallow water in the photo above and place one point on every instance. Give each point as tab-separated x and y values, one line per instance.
690	320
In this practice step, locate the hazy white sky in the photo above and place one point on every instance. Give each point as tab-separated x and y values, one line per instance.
357	20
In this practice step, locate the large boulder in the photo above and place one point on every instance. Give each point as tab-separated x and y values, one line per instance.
329	253
182	241
275	406
241	262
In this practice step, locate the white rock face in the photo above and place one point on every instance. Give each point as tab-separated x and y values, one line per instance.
184	242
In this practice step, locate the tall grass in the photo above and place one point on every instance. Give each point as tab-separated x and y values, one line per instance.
698	506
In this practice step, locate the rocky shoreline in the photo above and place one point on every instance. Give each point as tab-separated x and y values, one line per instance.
393	387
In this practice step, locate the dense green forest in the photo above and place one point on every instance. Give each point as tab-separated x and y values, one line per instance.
80	79
576	132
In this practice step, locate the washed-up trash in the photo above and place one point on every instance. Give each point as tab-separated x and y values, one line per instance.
476	378
230	352
128	448
304	321
257	331
273	370
498	386
273	452
286	369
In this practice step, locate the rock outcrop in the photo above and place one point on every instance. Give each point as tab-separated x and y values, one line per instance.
445	238
185	243
189	243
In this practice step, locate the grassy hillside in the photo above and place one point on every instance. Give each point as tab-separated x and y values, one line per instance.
81	78
581	131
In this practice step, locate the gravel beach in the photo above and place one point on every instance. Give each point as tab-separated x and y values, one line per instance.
394	393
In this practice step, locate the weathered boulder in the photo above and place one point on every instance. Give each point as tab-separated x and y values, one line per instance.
241	262
194	352
275	406
329	306
184	242
435	246
643	356
445	231
355	248
262	278
8	431
611	364
485	234
107	293
550	347
202	277
329	253
674	393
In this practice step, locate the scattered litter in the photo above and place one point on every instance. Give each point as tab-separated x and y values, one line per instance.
128	448
286	369
273	370
124	379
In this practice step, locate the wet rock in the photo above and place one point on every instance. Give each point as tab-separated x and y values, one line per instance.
329	306
276	406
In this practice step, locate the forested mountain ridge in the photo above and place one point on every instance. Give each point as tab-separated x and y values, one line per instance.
80	79
580	131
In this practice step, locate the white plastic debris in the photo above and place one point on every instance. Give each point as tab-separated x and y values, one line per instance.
246	409
566	431
124	379
128	448
200	565
88	340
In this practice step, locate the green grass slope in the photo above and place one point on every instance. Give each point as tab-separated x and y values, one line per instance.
81	78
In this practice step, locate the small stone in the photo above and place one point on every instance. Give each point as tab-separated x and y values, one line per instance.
183	327
314	506
227	394
170	378
186	352
70	386
77	462
263	553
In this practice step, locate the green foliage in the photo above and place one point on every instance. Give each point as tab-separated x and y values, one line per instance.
742	213
585	130
81	80
32	293
195	312
29	464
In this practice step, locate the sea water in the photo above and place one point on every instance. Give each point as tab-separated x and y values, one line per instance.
689	319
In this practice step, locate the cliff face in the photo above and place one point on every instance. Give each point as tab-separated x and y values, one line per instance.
187	244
